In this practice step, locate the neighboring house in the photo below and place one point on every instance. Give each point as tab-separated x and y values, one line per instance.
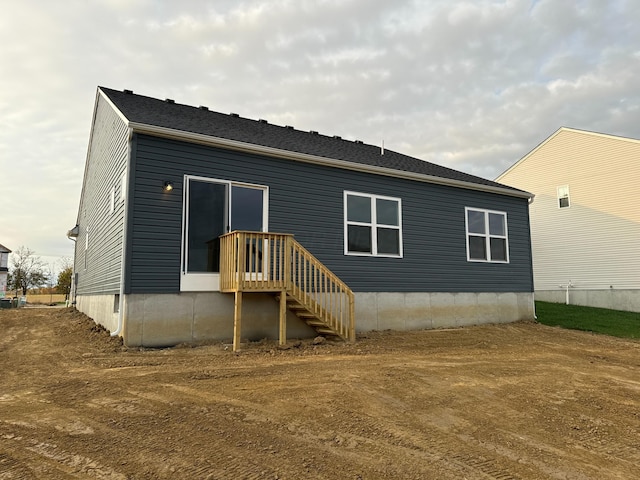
4	269
585	220
399	242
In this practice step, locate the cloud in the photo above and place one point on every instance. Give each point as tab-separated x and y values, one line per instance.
472	85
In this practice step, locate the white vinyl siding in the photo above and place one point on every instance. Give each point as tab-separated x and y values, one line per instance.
595	243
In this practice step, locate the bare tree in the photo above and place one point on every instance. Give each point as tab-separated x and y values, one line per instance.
27	270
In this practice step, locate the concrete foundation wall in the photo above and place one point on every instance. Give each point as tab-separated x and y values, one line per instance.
628	300
100	308
416	311
157	320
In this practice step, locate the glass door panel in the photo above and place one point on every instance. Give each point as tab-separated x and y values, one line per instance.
206	221
247	207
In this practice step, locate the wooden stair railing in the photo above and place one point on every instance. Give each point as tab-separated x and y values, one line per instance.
275	262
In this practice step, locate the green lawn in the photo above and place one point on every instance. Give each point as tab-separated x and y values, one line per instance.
599	320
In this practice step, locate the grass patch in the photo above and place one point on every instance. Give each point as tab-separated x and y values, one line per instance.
616	323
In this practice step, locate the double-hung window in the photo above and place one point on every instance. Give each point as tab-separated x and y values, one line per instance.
372	225
563	196
487	239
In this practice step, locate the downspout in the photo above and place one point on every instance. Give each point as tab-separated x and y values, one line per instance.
125	219
73	272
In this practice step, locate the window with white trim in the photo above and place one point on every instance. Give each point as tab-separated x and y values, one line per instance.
563	196
372	225
487	238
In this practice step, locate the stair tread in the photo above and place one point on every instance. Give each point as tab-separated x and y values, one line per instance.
309	317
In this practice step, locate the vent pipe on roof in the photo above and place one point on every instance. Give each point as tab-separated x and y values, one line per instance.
359	142
313	132
169	100
337	137
382	148
289	127
262	120
202	107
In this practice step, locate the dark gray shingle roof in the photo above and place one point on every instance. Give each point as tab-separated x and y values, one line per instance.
161	113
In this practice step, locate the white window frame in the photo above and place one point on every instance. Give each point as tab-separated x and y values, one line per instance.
210	281
373	225
563	192
487	235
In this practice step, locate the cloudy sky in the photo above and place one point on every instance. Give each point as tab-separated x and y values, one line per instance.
473	85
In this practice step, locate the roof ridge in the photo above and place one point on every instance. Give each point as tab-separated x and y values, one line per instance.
178	117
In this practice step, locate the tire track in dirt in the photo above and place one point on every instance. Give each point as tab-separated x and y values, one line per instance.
465	460
47	460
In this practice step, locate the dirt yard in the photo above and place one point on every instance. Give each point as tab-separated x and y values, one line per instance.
518	401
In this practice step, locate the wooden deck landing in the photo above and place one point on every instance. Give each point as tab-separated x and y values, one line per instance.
277	263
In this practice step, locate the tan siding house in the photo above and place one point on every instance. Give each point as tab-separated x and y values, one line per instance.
585	219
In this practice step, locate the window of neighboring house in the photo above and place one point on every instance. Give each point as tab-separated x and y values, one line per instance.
372	225
563	196
486	236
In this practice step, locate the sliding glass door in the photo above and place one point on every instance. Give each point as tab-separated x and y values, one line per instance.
213	208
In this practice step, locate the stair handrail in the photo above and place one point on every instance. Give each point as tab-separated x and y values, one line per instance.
277	262
333	303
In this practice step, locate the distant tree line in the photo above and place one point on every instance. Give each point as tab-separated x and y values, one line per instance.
27	271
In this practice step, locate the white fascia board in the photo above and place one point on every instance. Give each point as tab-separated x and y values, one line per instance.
315	159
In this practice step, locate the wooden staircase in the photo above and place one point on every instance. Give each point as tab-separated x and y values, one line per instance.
312	319
275	262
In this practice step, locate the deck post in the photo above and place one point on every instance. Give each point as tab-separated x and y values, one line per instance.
237	320
283	318
352	318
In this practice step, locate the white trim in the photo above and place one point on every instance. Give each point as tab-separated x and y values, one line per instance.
318	160
373	225
123	185
487	235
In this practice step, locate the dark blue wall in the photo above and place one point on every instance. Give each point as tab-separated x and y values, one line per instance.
307	200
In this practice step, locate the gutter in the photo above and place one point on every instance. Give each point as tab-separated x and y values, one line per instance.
315	159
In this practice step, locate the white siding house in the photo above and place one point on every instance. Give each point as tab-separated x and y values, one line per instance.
585	220
4	269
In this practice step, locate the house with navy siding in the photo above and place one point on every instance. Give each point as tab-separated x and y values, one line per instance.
196	226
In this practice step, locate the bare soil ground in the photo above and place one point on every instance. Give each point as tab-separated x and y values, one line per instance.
517	401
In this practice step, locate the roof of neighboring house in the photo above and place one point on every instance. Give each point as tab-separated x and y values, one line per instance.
140	111
555	134
4	249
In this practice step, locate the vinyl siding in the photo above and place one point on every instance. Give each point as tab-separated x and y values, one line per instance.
594	243
307	200
99	272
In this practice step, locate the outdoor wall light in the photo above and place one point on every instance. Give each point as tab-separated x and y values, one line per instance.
168	186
